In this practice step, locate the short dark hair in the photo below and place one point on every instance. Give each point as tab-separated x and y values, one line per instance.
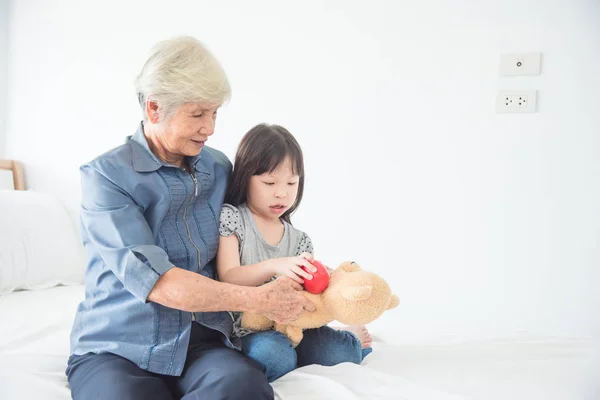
262	149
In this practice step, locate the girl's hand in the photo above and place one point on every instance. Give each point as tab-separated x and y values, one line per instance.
292	267
307	256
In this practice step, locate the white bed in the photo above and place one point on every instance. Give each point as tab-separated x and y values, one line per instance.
34	344
40	249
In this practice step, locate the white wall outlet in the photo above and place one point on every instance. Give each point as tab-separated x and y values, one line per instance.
520	64
516	101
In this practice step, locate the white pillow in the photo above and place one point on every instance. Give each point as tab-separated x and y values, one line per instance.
39	246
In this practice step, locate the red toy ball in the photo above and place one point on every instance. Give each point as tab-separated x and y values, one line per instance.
320	279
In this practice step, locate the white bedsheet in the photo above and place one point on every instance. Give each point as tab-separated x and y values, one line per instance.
34	344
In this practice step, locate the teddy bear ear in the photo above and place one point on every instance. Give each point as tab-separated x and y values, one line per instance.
350	266
394	302
357	293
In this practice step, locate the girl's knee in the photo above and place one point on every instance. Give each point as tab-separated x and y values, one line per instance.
273	351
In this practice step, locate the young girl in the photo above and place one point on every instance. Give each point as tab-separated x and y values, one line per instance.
259	243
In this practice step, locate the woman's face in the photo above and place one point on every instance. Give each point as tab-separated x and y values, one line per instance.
186	132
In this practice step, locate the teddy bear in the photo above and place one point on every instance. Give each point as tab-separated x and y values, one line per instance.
353	297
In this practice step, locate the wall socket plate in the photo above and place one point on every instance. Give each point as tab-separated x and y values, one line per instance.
516	101
520	64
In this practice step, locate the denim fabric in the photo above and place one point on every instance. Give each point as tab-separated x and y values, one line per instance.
139	218
323	346
212	371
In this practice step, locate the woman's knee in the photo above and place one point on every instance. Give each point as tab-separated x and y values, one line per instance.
248	380
273	351
242	379
108	376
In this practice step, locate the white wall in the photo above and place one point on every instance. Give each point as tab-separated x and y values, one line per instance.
4	12
485	224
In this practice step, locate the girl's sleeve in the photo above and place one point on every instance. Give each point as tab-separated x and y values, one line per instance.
231	222
305	245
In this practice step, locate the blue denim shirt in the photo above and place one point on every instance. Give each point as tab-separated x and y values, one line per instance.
139	218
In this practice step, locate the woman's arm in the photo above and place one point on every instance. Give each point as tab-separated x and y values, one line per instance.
115	229
189	291
280	300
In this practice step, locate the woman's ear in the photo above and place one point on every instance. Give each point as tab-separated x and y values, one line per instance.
152	111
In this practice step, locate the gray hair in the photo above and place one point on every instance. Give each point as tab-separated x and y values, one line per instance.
181	70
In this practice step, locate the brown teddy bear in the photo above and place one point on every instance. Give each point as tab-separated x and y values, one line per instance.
353	297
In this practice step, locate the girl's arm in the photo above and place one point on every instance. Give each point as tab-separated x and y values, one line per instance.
230	270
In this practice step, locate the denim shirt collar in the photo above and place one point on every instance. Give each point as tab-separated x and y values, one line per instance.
146	161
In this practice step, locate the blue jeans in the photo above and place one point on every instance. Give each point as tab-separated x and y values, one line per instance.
323	346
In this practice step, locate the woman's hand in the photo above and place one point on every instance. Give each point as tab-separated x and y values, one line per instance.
292	267
281	301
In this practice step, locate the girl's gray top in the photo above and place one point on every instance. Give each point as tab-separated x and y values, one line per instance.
253	248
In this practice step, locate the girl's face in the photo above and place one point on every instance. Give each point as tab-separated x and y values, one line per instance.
272	194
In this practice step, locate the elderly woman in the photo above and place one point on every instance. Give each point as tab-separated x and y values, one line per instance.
149	221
